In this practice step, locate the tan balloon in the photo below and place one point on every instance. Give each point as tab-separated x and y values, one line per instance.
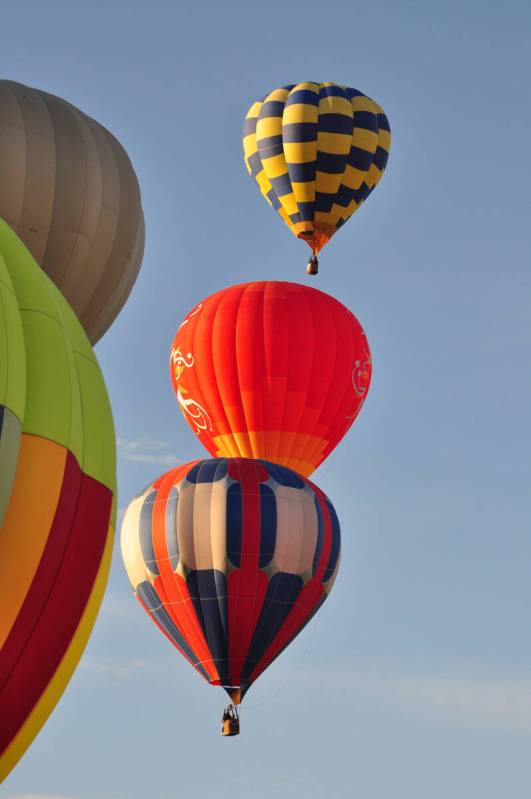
68	189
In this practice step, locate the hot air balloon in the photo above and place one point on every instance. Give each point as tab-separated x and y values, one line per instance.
231	558
316	151
57	495
67	188
271	370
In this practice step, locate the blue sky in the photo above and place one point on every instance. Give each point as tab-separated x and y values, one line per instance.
414	680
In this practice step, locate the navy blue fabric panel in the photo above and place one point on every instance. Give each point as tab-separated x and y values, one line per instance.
302	173
320	535
353	93
380	158
270	146
333	91
306	211
295	218
383	123
336	542
360	194
283	475
296	132
234	520
208	471
208	590
331	162
366	120
282	593
360	159
151	601
268	525
255	164
336	123
303	96
273	108
343	196
281	185
324	201
273	199
170	527
146	532
249	126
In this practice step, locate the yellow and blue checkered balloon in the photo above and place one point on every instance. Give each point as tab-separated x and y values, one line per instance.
316	150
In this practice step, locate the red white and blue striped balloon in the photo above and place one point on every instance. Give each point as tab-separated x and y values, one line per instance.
231	557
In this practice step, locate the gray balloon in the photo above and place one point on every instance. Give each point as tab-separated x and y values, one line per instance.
69	191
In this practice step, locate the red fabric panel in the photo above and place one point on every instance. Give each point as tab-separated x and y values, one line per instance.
62	604
246	586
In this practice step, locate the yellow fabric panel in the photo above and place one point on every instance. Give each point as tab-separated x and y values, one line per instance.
268	126
304	192
361	103
334	143
27	522
365	139
328	182
301	229
308	86
353	178
384	139
263	182
373	176
300	152
300	112
275	166
270	443
254	110
335	105
324	221
278	95
289	204
66	668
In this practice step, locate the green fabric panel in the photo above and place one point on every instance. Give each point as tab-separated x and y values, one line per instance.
97	431
67	401
53	405
12	350
99	456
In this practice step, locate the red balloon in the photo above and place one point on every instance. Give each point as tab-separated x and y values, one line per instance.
271	370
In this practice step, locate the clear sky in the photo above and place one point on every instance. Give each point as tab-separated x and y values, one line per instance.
414	680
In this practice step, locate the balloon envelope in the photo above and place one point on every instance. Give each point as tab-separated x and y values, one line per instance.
67	188
271	370
231	558
57	530
316	151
